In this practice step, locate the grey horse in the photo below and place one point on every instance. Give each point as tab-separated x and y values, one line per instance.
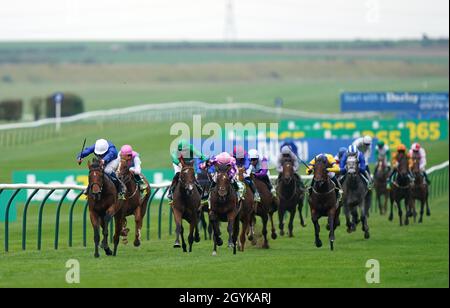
356	195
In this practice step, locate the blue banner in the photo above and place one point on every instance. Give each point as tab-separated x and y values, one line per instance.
417	102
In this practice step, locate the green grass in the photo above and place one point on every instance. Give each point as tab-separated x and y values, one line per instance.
413	256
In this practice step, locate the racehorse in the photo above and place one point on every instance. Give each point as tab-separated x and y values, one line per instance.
420	188
204	181
186	205
264	209
103	205
401	190
134	203
224	207
355	196
322	200
247	211
291	197
380	182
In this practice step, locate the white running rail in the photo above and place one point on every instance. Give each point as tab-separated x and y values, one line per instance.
187	108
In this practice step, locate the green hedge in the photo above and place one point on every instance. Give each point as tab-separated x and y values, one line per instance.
72	104
11	109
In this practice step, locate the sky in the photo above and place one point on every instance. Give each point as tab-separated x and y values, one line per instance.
174	20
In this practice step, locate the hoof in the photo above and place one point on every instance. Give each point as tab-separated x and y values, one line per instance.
282	232
250	238
177	245
274	236
265	246
108	252
230	245
349	230
319	244
332	245
219	242
96	255
197	239
391	218
137	243
214	253
254	242
428	214
367	235
291	235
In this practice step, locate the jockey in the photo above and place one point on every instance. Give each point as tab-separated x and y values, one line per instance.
287	154
134	163
340	154
364	145
382	152
400	149
353	151
107	152
187	153
416	149
332	169
259	167
226	160
243	161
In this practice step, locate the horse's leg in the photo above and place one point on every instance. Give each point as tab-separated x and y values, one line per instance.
274	231
235	233
191	234
96	226
386	197
281	213
118	219
231	217
124	231
428	205
315	220
138	219
291	222
347	219
265	220
400	212
252	236
422	210
245	226
105	223
365	225
391	198
300	211
204	225
331	221
177	217
355	219
215	232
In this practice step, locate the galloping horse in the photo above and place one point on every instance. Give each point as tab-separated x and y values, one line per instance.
247	211
224	207
186	205
355	196
204	180
380	182
103	205
265	209
322	200
420	188
401	190
134	203
291	197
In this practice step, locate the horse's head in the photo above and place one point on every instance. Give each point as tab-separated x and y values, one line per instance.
123	171
96	178
241	173
288	172
320	170
403	167
223	183
416	163
352	164
187	178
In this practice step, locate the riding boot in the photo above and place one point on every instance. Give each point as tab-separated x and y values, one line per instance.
391	177
240	189
140	181
338	189
369	181
199	188
172	186
120	186
252	185
272	189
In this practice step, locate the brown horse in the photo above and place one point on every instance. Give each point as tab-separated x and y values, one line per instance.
420	188
380	182
186	205
265	209
247	212
401	190
291	197
322	200
103	205
224	207
135	204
